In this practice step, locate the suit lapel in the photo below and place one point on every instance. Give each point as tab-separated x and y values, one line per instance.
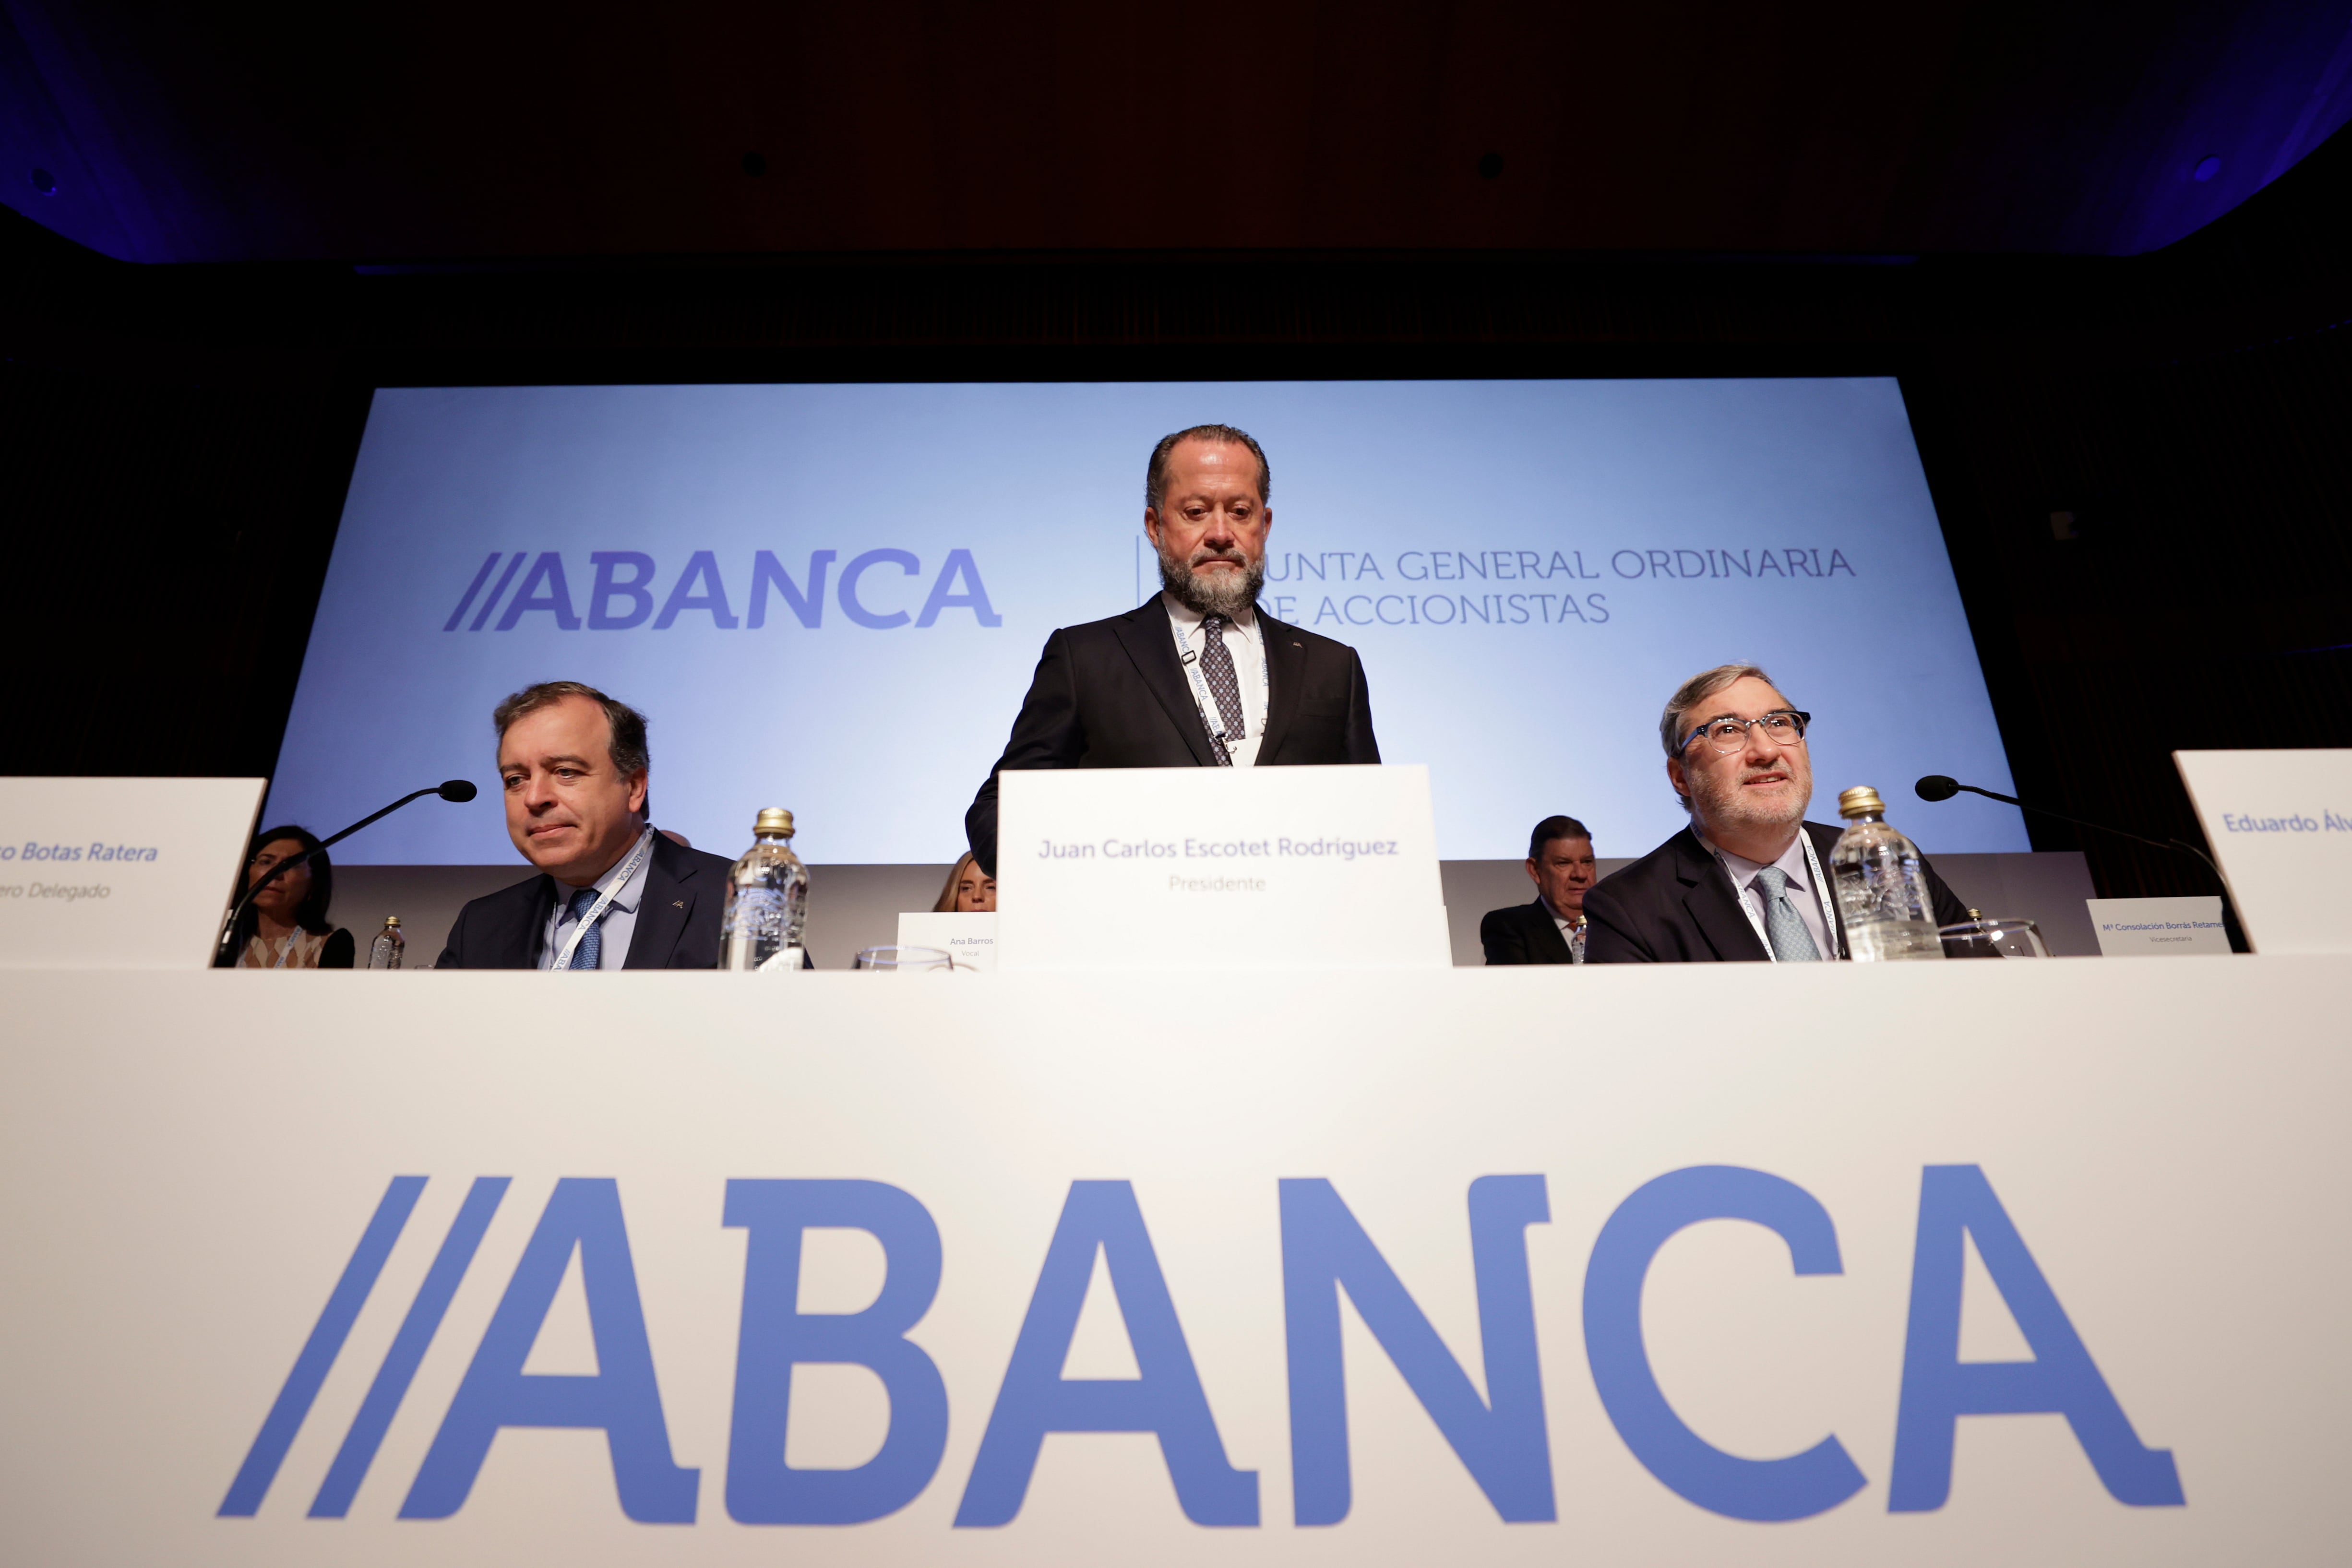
662	913
1150	639
1708	895
1547	933
521	948
1285	674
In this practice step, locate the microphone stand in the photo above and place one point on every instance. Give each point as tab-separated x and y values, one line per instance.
2230	926
456	790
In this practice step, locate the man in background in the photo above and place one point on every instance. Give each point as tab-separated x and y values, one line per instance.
1749	877
611	891
1552	929
1197	676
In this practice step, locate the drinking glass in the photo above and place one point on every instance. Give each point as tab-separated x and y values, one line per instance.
1986	937
904	961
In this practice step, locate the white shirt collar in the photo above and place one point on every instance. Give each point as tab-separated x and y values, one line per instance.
1187	620
1791	860
1564	923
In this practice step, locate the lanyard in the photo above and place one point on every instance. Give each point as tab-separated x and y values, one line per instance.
1821	893
604	901
1210	715
288	951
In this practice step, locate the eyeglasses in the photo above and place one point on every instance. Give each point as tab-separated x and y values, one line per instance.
1725	735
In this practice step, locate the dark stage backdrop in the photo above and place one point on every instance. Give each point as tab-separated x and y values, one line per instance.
2139	463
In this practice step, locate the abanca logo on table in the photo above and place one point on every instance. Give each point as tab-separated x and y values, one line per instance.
621	591
1500	1440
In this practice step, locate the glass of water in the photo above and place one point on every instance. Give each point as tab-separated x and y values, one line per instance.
1985	937
904	961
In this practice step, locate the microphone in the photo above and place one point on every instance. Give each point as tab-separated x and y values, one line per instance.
1941	787
455	791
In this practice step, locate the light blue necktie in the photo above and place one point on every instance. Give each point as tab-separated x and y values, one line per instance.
592	941
1791	943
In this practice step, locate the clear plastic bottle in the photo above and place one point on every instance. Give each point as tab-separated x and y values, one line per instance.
1882	887
767	900
386	951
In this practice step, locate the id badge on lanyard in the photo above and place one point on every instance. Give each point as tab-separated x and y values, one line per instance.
604	902
1821	896
1207	704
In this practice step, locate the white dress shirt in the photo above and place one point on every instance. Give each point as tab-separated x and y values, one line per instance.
620	922
1245	640
1802	896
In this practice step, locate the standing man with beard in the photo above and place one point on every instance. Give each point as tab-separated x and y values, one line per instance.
1197	676
1748	879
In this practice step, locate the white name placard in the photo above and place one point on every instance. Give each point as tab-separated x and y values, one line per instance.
118	873
1219	868
968	939
2157	927
2281	824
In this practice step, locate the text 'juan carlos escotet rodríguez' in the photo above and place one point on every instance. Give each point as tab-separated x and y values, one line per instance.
1327	847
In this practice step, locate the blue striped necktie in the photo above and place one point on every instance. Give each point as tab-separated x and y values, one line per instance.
592	941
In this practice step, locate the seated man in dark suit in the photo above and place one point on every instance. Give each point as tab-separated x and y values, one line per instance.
1749	877
612	894
1197	676
1552	929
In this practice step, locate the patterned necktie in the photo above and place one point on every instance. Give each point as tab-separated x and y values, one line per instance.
1791	943
1217	669
592	941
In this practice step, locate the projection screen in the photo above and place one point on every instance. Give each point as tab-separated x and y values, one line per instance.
830	598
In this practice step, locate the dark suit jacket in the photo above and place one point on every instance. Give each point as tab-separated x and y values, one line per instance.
1524	933
1111	694
677	919
1674	905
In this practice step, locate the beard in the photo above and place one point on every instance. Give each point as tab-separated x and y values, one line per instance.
1225	593
1724	800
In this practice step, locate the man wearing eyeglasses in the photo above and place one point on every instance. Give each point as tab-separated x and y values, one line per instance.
1748	879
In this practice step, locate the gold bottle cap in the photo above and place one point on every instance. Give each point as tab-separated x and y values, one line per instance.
392	920
773	820
1862	800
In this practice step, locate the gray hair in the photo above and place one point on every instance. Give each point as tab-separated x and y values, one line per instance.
1672	730
1673	724
1155	477
630	756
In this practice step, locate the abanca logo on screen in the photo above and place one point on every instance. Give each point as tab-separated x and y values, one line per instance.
621	591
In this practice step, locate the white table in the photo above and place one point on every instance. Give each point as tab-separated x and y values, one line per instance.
188	1162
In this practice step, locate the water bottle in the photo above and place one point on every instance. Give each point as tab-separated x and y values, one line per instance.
385	952
767	900
1882	886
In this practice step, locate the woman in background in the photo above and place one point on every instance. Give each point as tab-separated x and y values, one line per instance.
970	890
286	926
